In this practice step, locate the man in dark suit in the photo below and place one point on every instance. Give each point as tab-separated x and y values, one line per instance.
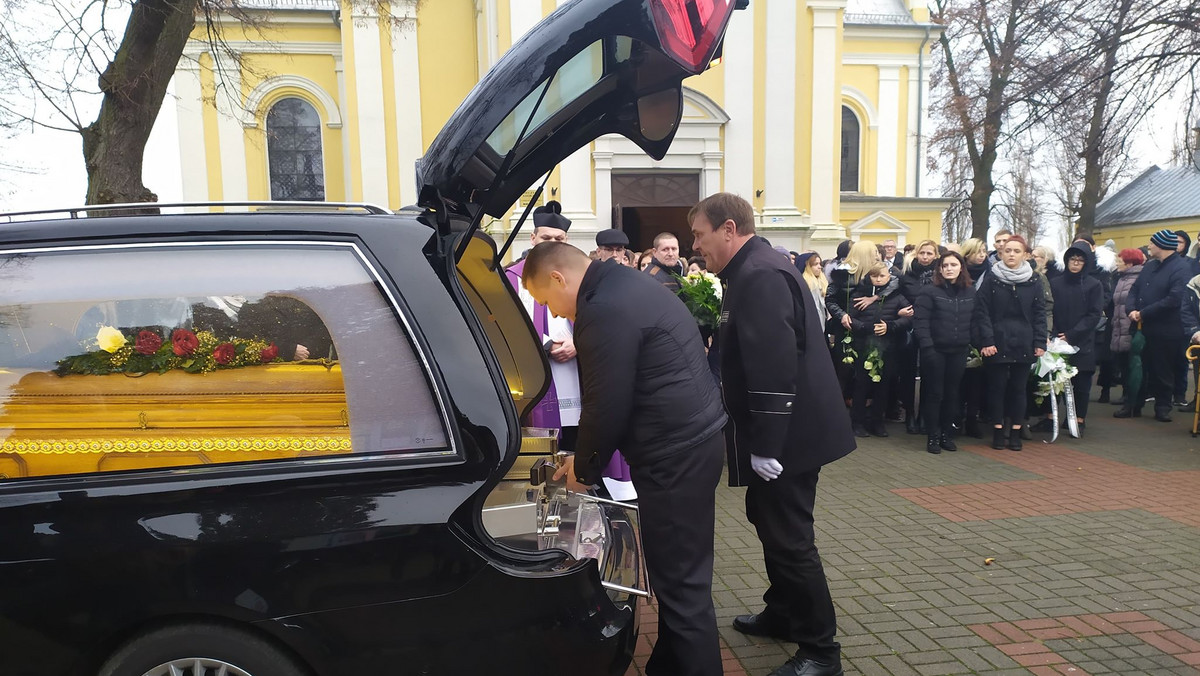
779	387
647	390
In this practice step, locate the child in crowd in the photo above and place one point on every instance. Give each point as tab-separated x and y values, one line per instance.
875	329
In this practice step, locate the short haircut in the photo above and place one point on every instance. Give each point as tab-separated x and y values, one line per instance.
962	281
1018	238
1002	231
725	206
879	268
549	255
1132	257
698	260
1084	237
663	235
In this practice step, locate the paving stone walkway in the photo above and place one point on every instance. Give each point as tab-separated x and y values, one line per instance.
1081	557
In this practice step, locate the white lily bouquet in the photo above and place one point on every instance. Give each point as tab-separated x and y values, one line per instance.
701	292
1054	372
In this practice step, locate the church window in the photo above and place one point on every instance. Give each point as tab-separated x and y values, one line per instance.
294	156
851	139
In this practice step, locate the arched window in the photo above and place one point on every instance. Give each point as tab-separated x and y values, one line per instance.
851	135
294	151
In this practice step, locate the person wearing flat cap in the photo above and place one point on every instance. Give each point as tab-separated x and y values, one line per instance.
1155	301
612	243
560	408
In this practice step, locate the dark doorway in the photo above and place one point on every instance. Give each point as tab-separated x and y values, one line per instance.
646	204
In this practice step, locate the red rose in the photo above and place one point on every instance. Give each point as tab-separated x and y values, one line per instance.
270	353
183	342
147	343
224	353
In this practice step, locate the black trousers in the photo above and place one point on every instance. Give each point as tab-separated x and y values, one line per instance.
941	377
782	512
1160	360
877	392
906	358
1082	384
1006	391
677	506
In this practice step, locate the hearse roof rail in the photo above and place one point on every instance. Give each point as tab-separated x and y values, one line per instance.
139	208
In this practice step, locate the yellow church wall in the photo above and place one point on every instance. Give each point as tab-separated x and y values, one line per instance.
349	65
1138	235
212	142
867	47
446	48
760	101
318	68
277	29
865	79
711	83
924	222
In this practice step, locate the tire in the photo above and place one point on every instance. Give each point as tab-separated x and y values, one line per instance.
200	650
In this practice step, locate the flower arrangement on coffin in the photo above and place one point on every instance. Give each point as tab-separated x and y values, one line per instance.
701	293
1054	372
183	349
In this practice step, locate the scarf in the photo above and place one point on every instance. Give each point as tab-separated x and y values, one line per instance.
1010	276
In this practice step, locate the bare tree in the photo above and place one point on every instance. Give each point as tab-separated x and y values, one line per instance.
1022	205
55	53
990	51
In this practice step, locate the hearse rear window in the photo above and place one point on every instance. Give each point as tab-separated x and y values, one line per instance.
118	358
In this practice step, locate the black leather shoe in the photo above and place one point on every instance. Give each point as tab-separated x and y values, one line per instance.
861	432
799	667
761	625
1104	396
1014	440
973	429
1126	412
999	438
947	442
878	429
933	446
1188	407
1162	416
1043	425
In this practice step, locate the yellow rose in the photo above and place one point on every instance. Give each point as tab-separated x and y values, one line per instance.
110	339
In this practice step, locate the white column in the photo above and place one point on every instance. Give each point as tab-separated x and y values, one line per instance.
603	173
916	165
339	69
189	107
231	136
710	178
889	131
368	86
739	104
522	15
780	119
575	186
407	75
825	107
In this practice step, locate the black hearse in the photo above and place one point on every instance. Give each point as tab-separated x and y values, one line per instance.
285	441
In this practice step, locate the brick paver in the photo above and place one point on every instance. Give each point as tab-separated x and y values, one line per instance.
1094	546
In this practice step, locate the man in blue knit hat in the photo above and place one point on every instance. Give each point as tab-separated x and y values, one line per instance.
1155	302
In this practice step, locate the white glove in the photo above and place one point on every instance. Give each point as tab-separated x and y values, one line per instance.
767	468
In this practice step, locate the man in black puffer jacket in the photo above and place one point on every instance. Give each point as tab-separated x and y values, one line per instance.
1156	302
647	390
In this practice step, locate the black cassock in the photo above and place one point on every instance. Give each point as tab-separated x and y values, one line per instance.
784	402
647	390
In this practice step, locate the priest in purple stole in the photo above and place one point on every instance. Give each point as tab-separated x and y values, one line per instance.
560	408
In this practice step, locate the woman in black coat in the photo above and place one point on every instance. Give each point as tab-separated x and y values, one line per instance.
1009	328
918	273
880	327
1078	302
942	326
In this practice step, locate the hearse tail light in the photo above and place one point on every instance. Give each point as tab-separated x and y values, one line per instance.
689	29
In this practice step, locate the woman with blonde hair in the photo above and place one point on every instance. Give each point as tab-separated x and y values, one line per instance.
813	274
846	276
974	252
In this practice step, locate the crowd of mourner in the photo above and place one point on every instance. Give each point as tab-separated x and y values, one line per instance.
966	324
947	339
